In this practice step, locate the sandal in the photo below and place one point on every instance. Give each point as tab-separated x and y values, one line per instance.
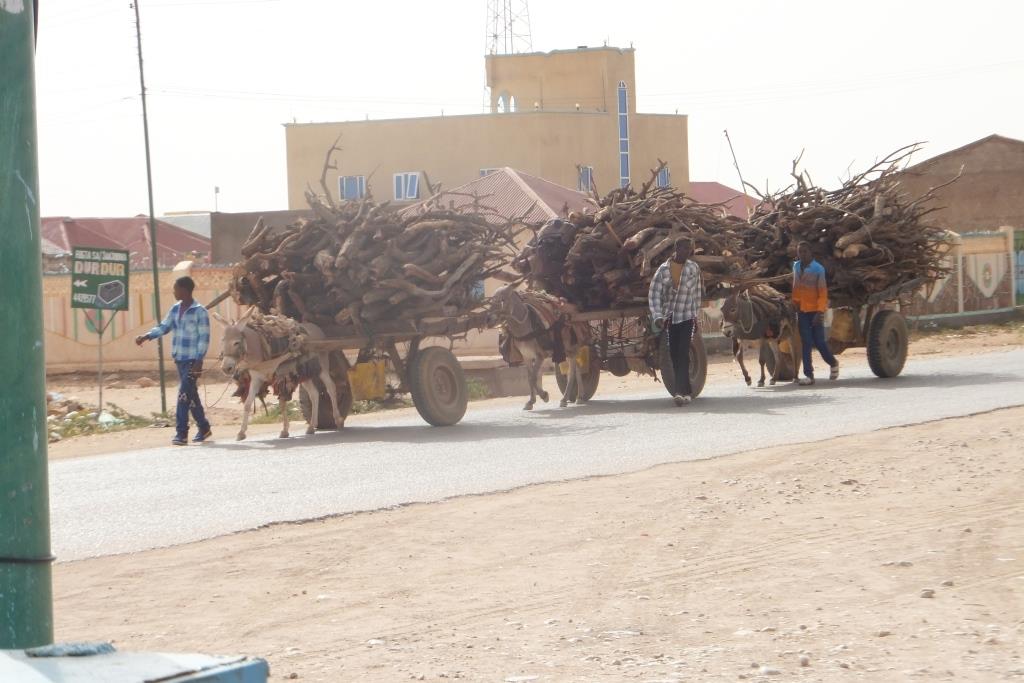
834	373
807	381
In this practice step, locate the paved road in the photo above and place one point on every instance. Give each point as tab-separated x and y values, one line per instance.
138	500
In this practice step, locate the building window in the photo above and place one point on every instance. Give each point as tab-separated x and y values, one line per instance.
585	179
664	177
623	135
352	186
407	185
488	171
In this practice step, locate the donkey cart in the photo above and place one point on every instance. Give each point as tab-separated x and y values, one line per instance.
391	361
624	342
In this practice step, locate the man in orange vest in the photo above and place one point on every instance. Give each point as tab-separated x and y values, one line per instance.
810	296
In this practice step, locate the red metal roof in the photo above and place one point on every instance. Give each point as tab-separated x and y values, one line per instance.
174	244
734	201
514	194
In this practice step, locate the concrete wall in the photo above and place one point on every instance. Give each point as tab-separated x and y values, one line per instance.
563	80
70	334
981	278
990	193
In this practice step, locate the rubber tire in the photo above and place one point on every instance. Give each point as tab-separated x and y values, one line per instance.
887	343
590	380
435	368
698	365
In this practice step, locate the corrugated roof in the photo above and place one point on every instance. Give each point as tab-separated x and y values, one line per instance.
173	243
513	194
734	201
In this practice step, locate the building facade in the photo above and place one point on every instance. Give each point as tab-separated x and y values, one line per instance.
568	116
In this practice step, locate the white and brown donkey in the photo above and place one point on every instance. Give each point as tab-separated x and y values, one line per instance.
245	350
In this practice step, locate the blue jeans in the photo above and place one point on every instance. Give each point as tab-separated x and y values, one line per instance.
813	335
188	400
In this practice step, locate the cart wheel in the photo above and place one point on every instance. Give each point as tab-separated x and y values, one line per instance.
338	369
887	343
438	386
698	365
591	378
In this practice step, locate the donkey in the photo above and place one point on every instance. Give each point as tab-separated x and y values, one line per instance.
284	369
536	327
755	323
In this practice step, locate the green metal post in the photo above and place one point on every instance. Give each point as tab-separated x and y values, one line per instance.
26	594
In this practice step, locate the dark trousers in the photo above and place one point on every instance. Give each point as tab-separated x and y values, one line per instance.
679	336
812	335
188	401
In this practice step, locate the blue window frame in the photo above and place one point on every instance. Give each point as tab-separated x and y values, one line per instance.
351	186
664	177
585	179
407	185
623	113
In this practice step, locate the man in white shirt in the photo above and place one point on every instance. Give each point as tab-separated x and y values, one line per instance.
674	300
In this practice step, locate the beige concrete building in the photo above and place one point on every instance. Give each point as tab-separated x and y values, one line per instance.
568	116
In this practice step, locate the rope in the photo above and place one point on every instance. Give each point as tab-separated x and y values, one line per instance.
206	399
753	318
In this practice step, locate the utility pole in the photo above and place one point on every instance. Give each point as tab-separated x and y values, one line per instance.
26	593
152	221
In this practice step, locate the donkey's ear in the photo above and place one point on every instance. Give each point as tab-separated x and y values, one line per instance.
219	318
247	315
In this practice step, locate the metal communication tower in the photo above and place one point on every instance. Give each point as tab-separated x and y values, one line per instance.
508	27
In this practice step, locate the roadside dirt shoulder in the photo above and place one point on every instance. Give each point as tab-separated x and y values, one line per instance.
890	556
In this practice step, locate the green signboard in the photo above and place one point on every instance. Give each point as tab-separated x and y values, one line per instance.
99	278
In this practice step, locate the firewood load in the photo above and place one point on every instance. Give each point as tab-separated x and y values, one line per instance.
868	234
357	263
606	259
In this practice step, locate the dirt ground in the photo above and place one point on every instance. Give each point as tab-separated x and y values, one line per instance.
226	413
891	556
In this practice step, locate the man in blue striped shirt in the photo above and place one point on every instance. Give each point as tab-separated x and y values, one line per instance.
191	325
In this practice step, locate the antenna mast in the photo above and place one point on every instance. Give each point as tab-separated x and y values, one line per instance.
508	27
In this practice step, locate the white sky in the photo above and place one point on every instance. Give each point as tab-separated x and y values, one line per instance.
846	81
